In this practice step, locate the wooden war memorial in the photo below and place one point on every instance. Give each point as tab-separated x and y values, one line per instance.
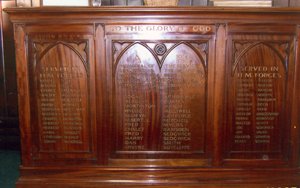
189	97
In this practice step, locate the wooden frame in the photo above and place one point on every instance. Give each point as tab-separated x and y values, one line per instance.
222	84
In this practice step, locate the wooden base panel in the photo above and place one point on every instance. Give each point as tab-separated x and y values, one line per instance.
137	177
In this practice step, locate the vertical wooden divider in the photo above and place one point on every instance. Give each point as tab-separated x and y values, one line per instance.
219	71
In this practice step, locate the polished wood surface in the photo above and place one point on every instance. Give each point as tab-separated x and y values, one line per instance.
9	127
166	97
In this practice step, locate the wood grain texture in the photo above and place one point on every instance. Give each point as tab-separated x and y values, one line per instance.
174	97
193	177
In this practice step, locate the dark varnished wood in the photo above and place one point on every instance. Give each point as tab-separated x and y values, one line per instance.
259	136
9	131
156	96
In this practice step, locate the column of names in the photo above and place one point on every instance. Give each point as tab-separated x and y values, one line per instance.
61	104
255	104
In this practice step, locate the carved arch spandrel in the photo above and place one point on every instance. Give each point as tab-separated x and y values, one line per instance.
125	47
200	48
80	48
117	49
240	48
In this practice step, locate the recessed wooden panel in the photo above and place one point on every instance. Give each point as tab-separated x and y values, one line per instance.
137	93
160	97
258	102
184	92
61	97
62	84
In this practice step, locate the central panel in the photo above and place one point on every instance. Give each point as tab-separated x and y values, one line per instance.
160	94
160	103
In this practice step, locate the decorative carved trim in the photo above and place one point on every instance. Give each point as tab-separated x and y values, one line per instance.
202	48
240	48
80	48
160	49
120	47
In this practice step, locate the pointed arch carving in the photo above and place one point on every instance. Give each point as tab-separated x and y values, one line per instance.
79	48
241	48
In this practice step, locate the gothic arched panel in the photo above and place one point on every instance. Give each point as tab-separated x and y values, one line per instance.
62	94
258	100
184	94
136	83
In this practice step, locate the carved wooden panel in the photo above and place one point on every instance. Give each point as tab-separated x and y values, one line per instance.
259	94
160	94
61	86
163	97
